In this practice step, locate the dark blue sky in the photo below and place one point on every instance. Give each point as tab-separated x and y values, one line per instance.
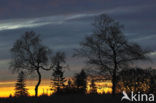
62	24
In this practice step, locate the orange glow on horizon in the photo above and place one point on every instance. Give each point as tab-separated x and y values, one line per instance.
7	88
101	87
7	91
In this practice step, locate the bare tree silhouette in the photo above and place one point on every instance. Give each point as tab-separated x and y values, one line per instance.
29	54
107	48
58	73
20	89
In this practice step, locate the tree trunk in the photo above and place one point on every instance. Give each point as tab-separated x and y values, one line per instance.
114	77
39	81
114	82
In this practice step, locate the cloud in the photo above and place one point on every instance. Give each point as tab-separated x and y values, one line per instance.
38	8
152	53
145	37
36	22
10	24
62	24
21	23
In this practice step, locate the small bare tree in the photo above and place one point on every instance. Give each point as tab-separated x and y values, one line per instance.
107	48
29	54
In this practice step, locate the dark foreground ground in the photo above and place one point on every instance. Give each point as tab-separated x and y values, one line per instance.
65	99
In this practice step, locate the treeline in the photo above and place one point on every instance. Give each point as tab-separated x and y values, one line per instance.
76	85
132	79
137	80
106	51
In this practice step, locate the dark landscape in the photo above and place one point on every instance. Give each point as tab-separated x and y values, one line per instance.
77	51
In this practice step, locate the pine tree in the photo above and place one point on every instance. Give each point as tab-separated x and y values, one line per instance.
69	83
58	73
81	81
20	89
93	87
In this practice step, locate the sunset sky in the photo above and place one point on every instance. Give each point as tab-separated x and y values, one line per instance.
62	24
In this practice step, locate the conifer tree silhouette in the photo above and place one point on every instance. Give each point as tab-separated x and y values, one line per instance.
93	87
81	81
58	73
20	89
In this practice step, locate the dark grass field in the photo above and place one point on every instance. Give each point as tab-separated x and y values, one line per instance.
65	99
